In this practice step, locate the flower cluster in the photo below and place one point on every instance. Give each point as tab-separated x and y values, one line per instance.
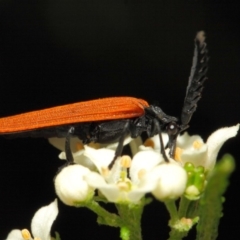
131	178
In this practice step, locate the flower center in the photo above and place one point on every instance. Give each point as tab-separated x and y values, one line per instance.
197	145
124	183
178	153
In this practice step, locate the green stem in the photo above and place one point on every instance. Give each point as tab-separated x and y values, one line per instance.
131	216
172	209
193	209
104	217
183	207
175	234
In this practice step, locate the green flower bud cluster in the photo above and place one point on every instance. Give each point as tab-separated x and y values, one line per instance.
196	181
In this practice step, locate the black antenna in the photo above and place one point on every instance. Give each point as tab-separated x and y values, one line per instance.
196	79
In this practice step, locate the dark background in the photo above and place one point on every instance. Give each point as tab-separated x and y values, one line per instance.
57	52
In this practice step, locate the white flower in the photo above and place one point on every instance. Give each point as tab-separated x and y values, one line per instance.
71	185
194	150
115	184
41	224
198	159
129	180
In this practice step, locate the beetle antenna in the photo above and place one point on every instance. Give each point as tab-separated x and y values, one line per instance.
196	79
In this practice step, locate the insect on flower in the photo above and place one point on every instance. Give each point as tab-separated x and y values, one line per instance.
113	119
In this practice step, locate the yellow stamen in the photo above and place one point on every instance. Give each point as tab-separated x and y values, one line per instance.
105	171
197	145
149	143
178	153
125	161
26	234
141	173
79	146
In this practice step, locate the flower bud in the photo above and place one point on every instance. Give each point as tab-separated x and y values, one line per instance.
71	186
171	181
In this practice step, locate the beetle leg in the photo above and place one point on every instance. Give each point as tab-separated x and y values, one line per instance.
119	149
157	126
172	146
68	151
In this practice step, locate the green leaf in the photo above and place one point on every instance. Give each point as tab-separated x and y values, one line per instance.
210	208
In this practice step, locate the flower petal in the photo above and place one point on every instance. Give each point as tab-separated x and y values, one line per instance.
195	156
134	145
75	143
215	142
80	158
110	191
185	141
113	146
154	143
15	235
43	219
95	180
114	193
144	161
136	194
59	143
100	157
